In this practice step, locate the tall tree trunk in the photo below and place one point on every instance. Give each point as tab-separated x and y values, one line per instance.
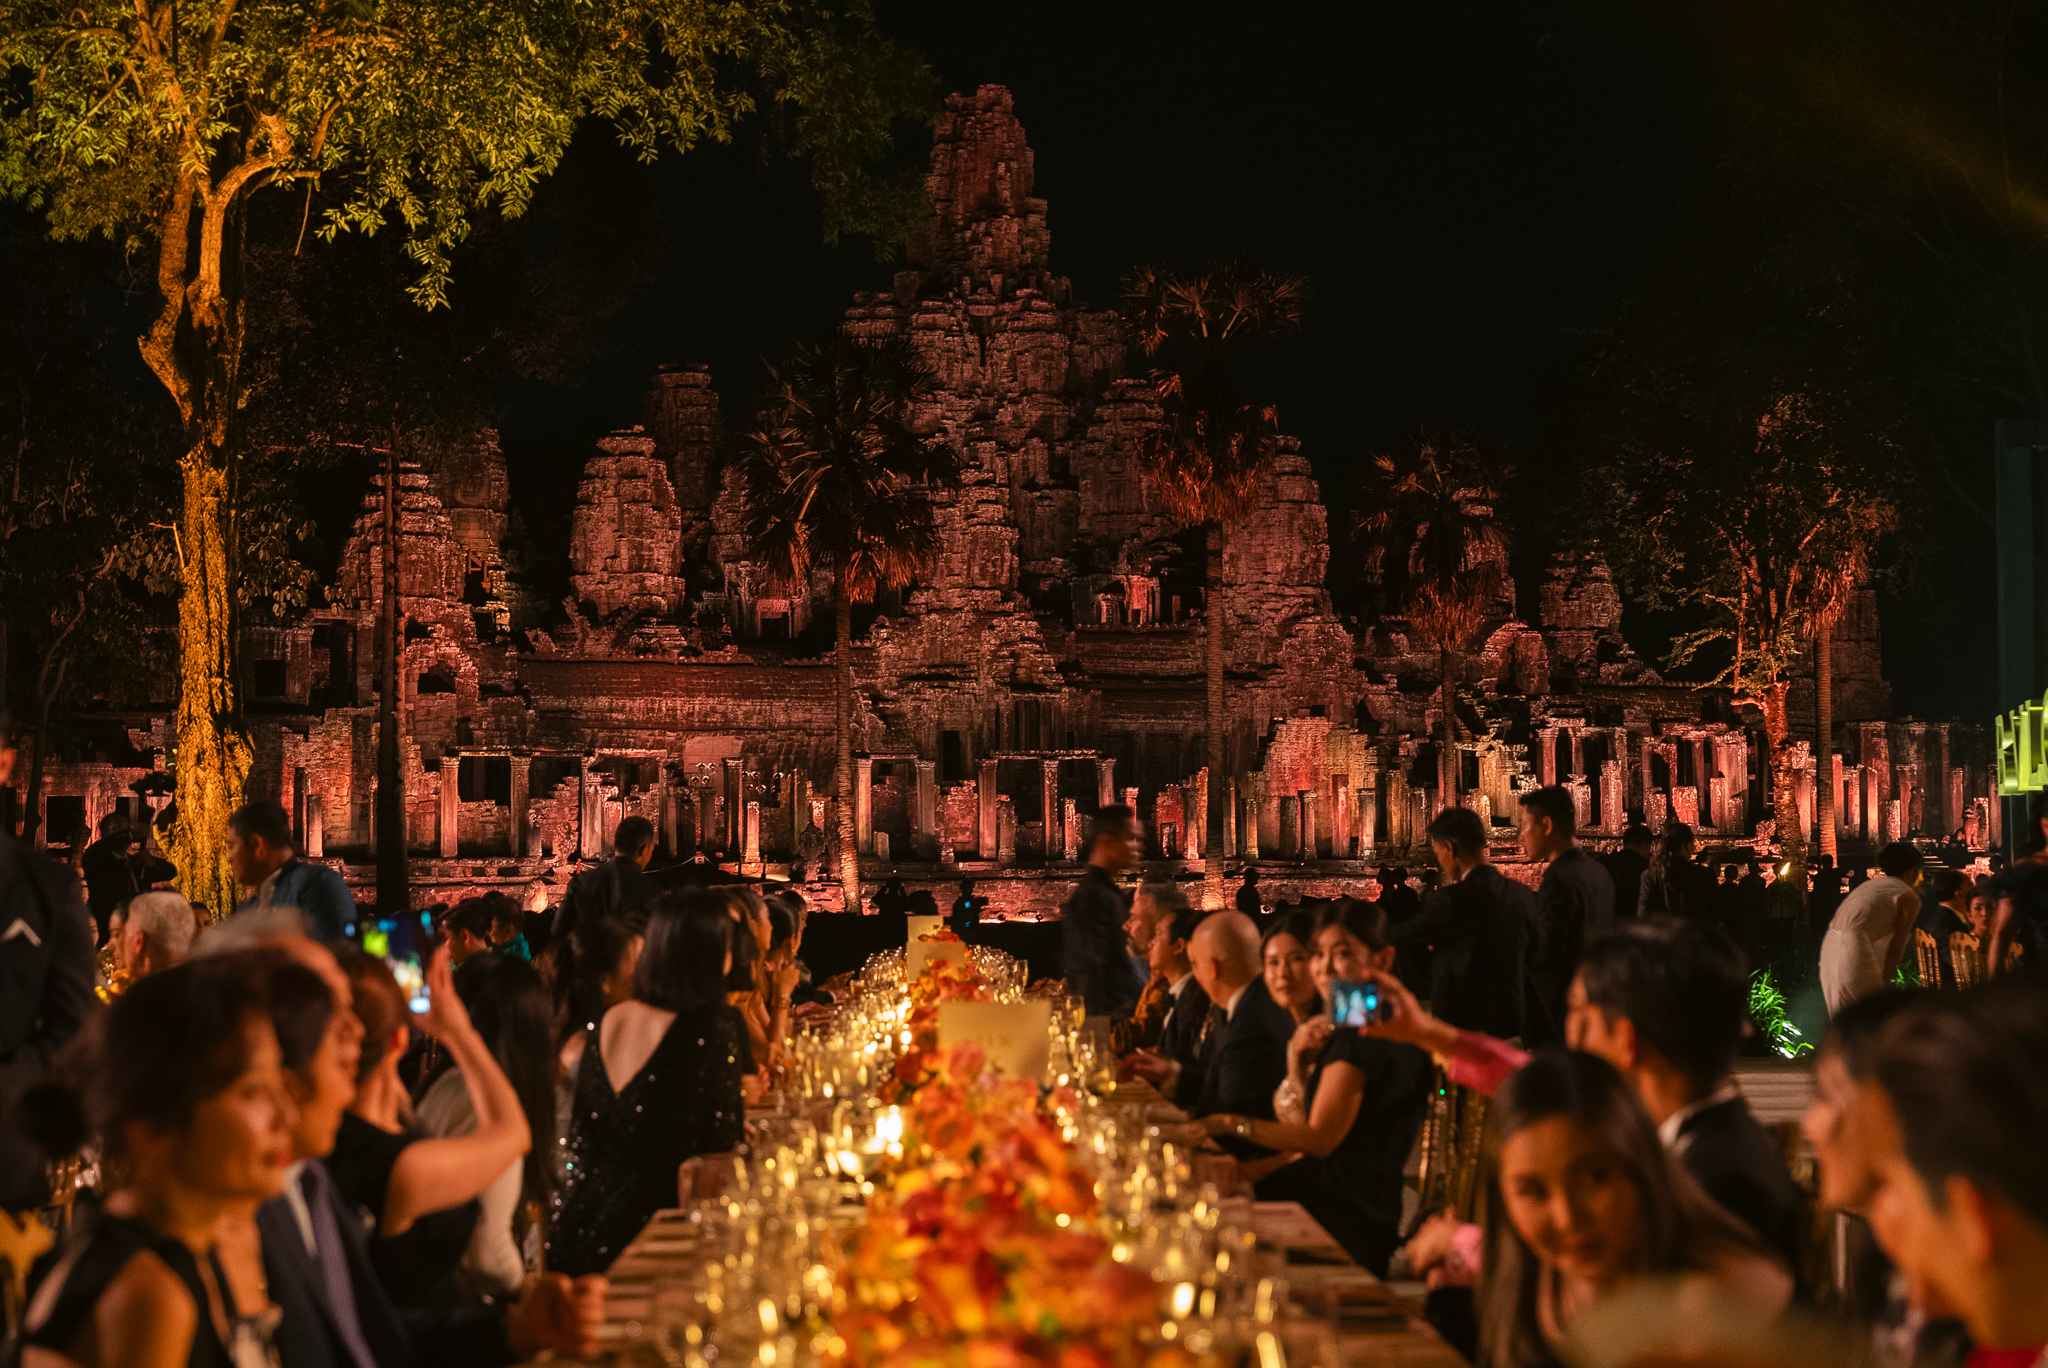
194	348
393	895
1784	778
1212	665
213	748
1447	759
842	727
1824	735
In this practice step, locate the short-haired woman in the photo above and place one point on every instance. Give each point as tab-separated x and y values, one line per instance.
658	1084
183	1085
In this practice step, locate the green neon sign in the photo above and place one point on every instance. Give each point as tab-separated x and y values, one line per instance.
2022	742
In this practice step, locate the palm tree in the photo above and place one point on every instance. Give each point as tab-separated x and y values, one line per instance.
1434	537
1212	450
840	484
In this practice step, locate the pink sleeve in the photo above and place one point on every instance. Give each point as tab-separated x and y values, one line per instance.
1482	1062
1464	1264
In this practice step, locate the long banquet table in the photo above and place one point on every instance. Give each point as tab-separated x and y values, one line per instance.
1364	1322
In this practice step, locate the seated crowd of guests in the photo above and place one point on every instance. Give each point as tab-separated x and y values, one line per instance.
302	1164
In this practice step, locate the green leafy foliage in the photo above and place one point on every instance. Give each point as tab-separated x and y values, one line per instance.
420	114
1767	1012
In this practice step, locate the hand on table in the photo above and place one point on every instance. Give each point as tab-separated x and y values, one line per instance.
1155	1069
555	1313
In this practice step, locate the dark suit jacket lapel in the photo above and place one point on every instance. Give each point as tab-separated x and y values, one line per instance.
307	1333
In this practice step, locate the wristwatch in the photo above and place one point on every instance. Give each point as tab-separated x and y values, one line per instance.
1241	1127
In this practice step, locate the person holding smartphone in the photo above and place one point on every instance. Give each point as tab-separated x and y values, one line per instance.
1357	1100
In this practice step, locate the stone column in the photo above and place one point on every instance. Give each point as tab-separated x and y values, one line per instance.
1577	757
1702	767
1873	798
1340	825
316	828
924	811
1613	795
1230	819
735	796
1546	756
1311	848
1070	813
750	846
522	781
1049	805
1944	813
1105	781
1248	821
1649	784
985	811
451	805
864	804
586	842
298	805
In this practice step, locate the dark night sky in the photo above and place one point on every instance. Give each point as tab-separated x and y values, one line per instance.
1475	192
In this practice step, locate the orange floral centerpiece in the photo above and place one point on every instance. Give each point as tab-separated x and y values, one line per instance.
980	1247
941	982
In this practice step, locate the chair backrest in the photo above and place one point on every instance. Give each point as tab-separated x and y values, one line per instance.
1966	953
1930	959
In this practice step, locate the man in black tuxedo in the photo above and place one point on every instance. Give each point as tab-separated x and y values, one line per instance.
1188	1006
335	1313
1665	1002
1476	929
1243	1055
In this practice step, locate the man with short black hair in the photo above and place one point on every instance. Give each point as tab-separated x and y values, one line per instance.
264	862
1952	1111
1872	929
1574	903
617	888
1250	901
1180	1036
1666	1003
1478	922
1093	954
1625	868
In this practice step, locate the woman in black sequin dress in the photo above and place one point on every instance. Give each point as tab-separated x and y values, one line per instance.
658	1083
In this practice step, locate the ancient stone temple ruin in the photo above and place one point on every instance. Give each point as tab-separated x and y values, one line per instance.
1049	663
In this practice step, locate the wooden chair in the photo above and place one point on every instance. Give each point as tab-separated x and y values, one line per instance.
1453	1139
1966	953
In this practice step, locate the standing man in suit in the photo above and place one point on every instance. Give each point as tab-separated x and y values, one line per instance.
1666	1002
1574	903
1094	954
265	864
1478	922
1626	867
46	975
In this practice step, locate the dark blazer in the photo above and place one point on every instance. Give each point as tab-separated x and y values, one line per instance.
1480	928
46	977
1181	1038
1574	908
1734	1158
1094	957
1245	1058
1625	868
307	1336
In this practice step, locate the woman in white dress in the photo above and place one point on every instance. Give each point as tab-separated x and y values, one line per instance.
1872	929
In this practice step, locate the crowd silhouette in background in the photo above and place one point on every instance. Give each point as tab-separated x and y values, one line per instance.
298	1158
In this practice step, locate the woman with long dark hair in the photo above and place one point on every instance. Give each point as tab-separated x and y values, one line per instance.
1352	1104
1284	961
1582	1202
512	1013
658	1083
181	1081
